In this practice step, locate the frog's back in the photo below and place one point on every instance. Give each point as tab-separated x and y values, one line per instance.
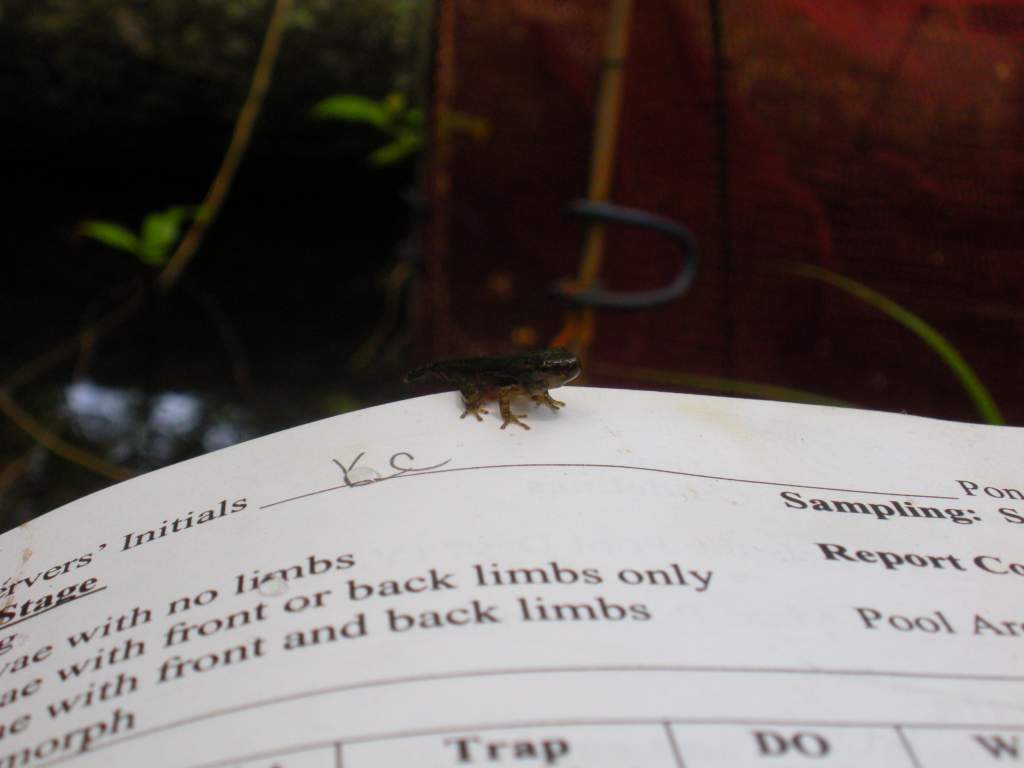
484	371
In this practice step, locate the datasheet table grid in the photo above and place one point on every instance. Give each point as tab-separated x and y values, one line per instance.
669	743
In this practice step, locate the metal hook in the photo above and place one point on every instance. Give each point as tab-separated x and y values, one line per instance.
598	297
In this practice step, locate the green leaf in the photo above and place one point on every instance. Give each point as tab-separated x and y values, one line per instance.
949	354
413	117
302	18
352	108
394	103
160	232
109	233
408	143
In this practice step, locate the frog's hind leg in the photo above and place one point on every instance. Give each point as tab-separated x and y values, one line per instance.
544	398
505	404
473	400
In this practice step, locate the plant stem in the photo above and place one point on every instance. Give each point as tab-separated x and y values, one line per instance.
716	384
54	444
86	337
983	401
580	322
240	138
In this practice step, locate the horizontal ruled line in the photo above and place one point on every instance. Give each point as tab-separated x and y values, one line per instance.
677	472
471	674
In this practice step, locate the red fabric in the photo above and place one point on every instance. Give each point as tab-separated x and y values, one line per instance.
880	139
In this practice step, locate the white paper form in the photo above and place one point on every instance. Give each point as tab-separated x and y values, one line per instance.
642	579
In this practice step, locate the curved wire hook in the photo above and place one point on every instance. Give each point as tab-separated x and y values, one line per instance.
598	297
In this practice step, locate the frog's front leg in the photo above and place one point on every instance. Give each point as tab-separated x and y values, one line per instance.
544	398
505	395
473	399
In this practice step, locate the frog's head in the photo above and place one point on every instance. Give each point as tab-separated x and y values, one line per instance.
558	366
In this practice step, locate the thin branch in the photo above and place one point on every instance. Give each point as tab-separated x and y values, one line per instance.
84	340
13	472
221	185
578	329
239	360
56	445
186	250
606	131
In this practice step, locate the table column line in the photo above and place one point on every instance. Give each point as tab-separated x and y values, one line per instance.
674	745
906	746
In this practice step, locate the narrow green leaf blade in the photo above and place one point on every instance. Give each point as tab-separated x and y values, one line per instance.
949	354
111	234
352	108
407	143
740	387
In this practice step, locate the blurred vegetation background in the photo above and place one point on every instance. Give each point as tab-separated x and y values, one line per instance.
227	217
116	112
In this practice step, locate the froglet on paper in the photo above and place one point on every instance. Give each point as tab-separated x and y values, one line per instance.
486	378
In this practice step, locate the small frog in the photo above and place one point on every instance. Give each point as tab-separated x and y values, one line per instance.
485	378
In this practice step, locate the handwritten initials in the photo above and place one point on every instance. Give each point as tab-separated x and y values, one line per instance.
400	462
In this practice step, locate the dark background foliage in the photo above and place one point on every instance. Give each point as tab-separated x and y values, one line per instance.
879	141
113	109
